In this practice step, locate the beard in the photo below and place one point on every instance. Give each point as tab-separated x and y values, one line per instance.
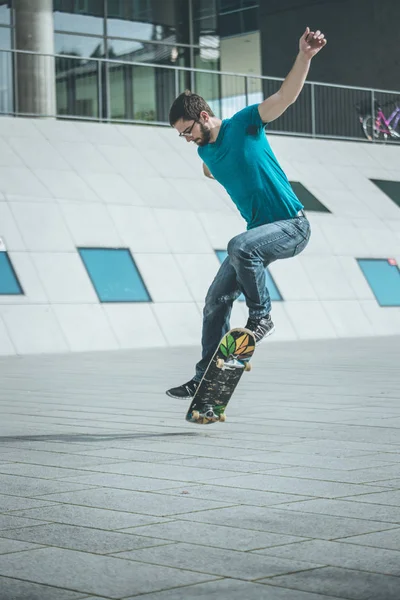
205	136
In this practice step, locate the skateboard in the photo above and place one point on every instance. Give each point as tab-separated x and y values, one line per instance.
222	375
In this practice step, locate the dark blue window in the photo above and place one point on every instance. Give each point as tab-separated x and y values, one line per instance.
273	290
114	275
9	284
383	276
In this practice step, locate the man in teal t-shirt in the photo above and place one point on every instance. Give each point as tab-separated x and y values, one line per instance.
237	154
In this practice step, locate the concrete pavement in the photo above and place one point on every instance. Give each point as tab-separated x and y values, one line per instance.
106	492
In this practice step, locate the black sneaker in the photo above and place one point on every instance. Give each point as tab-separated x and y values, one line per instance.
261	328
185	391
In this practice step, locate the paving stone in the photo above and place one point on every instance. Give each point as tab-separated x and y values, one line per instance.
13	503
391	498
273	483
90	517
14	589
94	574
345	508
372	476
234	495
85	539
29	486
10	521
230	589
12	545
138	502
381	539
215	561
349	556
287	522
219	536
344	583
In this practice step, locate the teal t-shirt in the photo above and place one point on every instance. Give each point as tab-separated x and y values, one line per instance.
242	160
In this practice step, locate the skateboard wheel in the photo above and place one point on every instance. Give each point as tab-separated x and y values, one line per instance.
222	418
195	415
220	363
247	367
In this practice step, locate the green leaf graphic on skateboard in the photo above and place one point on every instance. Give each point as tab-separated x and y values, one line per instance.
228	345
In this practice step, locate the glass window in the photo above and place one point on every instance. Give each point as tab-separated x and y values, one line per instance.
309	201
114	275
136	51
141	93
6	83
273	290
79	45
9	284
77	87
80	16
231	5
149	20
5	18
383	277
5	38
390	188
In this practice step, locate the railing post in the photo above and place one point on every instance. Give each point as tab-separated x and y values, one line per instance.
373	115
313	120
99	91
246	90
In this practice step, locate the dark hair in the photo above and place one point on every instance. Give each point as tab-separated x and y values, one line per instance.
188	106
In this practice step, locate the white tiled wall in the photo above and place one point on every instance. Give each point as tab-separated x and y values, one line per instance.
65	184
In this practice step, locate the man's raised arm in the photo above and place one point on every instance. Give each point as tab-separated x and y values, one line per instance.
310	44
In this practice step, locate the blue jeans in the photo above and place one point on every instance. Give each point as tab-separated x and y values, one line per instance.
243	271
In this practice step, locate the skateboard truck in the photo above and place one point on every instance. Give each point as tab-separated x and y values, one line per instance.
232	363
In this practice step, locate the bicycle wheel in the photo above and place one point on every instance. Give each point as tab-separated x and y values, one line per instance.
371	129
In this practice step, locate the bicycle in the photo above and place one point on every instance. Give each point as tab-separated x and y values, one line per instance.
377	126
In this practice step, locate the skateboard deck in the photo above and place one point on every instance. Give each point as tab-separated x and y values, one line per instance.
222	375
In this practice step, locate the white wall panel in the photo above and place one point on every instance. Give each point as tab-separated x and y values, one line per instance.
65	184
64	277
9	231
112	188
198	270
309	320
220	229
20	180
6	345
384	321
134	325
82	157
37	153
42	227
8	157
180	323
183	230
327	278
33	329
292	279
138	228
90	224
163	279
127	159
85	327
348	318
69	184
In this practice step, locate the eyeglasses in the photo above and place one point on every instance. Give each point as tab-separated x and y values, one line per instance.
188	132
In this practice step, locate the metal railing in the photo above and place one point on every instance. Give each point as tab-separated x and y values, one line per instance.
125	91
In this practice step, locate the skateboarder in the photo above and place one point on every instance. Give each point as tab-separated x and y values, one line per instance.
237	154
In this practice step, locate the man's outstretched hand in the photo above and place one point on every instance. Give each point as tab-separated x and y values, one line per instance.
311	43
